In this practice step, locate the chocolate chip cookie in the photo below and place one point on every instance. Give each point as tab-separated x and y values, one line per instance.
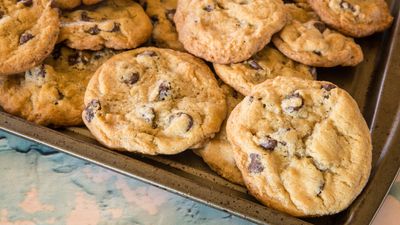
70	4
28	31
116	24
303	146
218	152
52	93
228	31
356	18
307	40
161	13
153	101
266	64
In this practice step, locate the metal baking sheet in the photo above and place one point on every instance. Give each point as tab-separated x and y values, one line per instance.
375	84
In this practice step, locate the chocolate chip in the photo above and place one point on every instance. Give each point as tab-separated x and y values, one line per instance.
188	117
328	87
268	143
148	53
91	109
85	16
164	90
208	8
116	28
170	13
73	59
93	30
132	79
26	3
255	165
154	19
25	37
347	5
254	64
320	26
148	114
235	94
317	53
292	103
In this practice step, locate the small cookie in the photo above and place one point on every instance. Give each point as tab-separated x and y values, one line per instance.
153	101
161	13
356	18
218	152
116	24
303	146
266	64
307	40
28	31
226	31
52	93
70	4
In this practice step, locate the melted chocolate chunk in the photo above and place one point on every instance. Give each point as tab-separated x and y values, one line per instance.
328	87
132	79
320	26
164	90
187	116
25	37
116	28
93	30
73	59
268	143
91	109
149	115
254	64
85	16
170	13
292	103
317	53
255	165
208	8
26	3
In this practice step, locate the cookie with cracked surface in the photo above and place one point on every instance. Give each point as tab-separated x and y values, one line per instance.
52	93
161	13
153	101
116	24
218	152
266	64
70	4
227	31
356	18
307	40
28	31
303	146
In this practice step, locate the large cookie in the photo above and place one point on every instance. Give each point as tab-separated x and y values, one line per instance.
356	18
161	13
28	31
116	24
227	31
218	152
307	40
70	4
153	101
266	64
303	146
52	93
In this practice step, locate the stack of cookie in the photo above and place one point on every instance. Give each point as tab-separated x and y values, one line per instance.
299	145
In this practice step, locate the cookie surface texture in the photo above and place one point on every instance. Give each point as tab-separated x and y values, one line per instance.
218	152
266	64
28	31
303	146
308	40
52	93
161	13
115	24
153	101
356	18
227	31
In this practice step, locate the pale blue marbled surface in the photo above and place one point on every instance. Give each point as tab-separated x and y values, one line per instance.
42	186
